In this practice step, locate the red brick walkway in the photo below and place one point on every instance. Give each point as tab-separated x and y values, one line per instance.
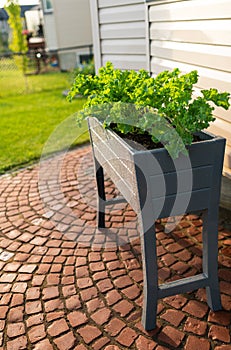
66	285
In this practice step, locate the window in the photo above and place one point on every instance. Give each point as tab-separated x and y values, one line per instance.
47	5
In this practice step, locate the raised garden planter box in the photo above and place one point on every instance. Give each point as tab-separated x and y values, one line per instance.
156	187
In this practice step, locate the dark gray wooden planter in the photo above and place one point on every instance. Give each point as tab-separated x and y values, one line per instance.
156	186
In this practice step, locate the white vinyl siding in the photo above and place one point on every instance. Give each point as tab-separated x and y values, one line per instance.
50	31
117	30
164	34
121	36
195	34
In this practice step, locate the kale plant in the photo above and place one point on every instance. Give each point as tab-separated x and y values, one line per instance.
169	97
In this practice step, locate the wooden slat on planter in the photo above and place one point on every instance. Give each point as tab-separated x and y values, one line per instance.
195	201
201	179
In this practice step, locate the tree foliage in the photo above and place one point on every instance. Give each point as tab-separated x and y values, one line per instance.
18	42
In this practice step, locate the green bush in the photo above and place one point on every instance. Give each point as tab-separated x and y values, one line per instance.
85	68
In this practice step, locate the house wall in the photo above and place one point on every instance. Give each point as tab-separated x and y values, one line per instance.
4	27
68	25
73	22
50	31
195	34
119	33
4	33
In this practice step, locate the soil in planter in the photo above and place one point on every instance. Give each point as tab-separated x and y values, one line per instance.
144	141
140	141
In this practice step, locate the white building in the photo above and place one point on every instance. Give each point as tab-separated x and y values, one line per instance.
67	30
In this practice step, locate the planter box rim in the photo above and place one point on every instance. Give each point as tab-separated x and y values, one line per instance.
209	137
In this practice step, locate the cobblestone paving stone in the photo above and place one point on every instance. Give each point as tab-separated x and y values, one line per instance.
66	285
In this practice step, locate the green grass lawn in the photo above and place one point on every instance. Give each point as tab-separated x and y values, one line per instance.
35	117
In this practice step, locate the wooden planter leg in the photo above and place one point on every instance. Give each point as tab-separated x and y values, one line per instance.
101	194
210	257
150	274
146	219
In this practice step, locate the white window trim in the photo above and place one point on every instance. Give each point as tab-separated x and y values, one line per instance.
45	9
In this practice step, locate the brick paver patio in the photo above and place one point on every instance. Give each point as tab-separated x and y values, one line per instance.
66	285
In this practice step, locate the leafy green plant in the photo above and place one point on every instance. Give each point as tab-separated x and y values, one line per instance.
84	68
169	97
